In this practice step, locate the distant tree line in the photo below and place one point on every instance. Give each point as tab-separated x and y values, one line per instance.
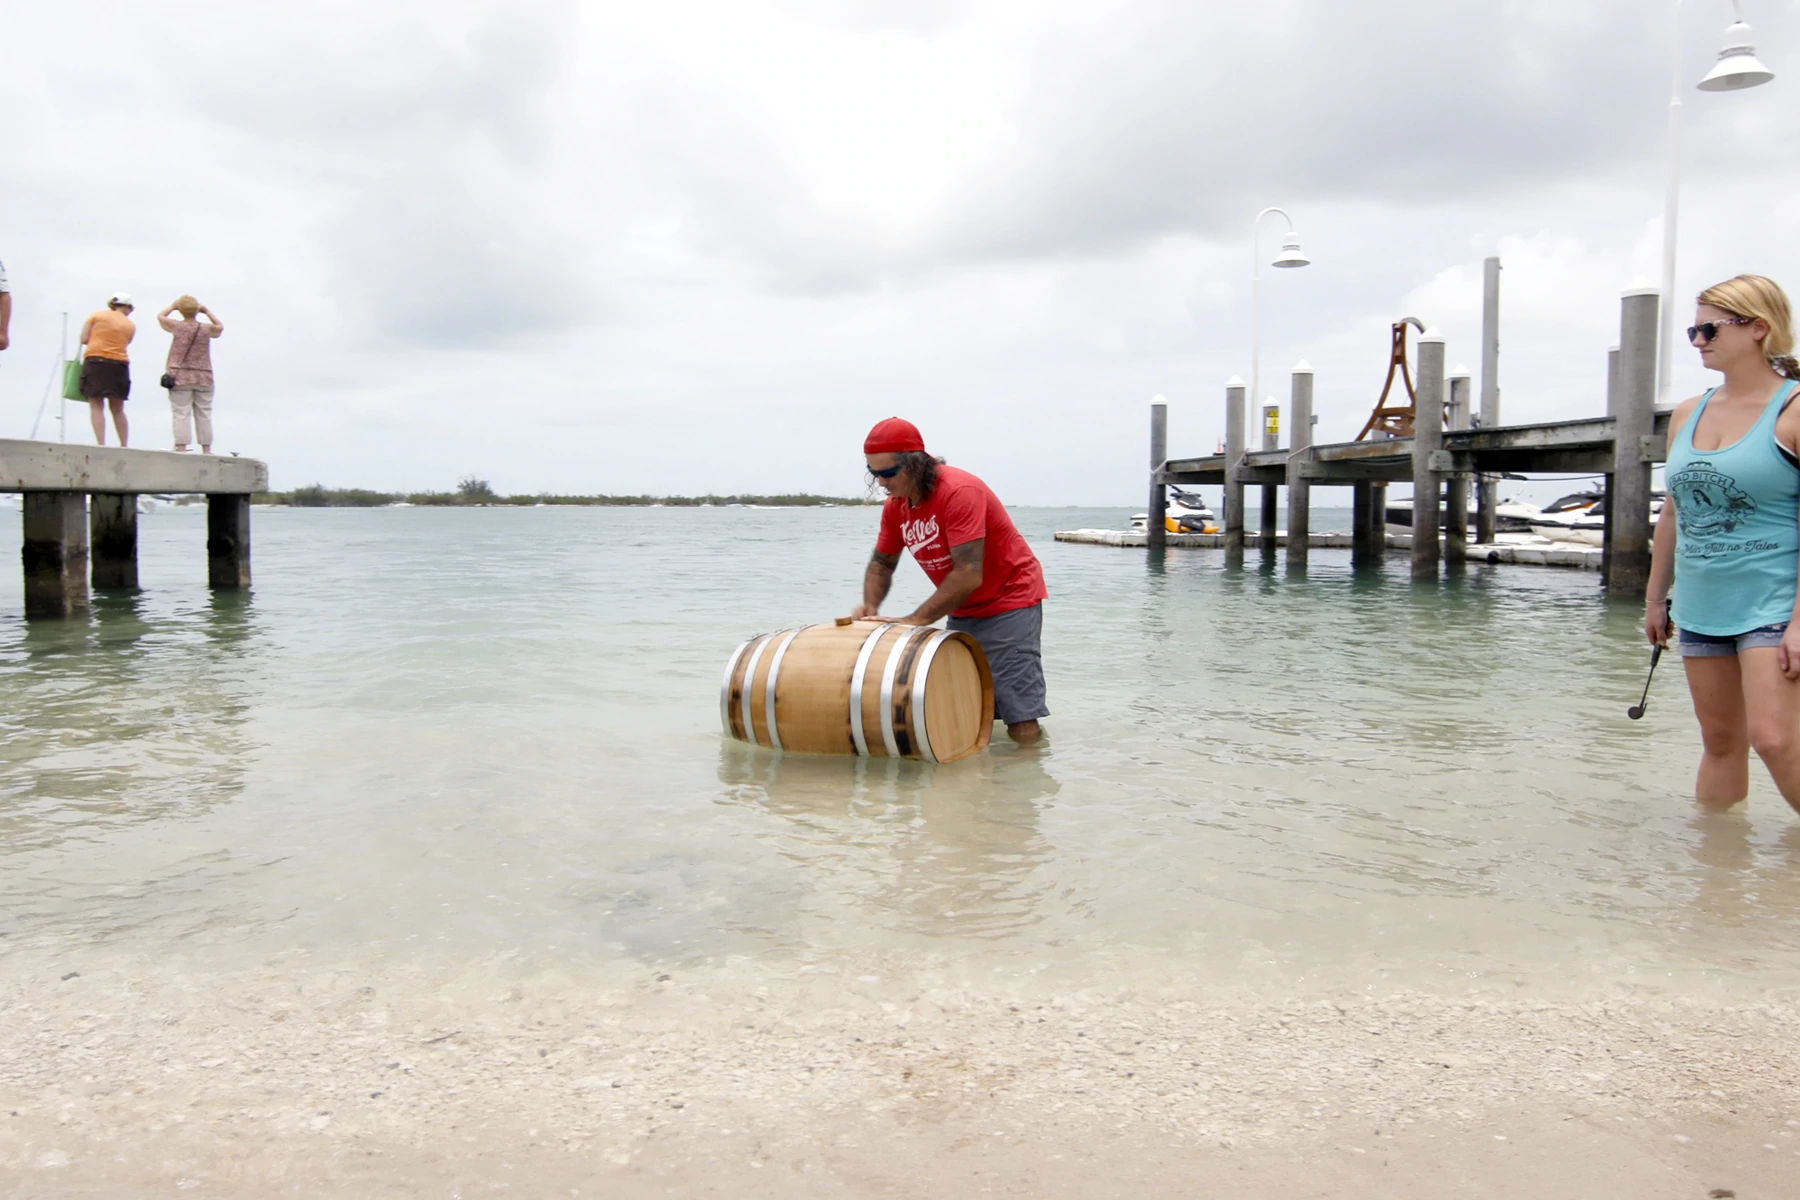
473	492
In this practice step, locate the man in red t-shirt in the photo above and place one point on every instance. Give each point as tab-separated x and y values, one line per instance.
988	581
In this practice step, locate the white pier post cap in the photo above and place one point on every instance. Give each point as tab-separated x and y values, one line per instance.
1639	291
1460	372
1235	382
1303	368
1432	335
1158	399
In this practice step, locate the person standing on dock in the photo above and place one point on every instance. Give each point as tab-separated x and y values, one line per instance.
106	367
189	374
989	583
5	310
1729	541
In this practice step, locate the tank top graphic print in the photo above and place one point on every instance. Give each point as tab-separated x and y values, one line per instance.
1737	514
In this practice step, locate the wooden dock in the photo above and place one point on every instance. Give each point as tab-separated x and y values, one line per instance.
1579	557
66	538
1450	449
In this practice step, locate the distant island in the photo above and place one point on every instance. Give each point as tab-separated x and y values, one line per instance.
473	492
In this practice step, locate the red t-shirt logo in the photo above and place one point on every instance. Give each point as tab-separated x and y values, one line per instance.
962	509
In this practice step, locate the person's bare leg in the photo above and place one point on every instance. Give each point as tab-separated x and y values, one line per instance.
206	449
1772	705
1717	688
97	414
1024	732
119	421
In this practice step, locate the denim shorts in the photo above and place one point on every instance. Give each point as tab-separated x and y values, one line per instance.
1706	645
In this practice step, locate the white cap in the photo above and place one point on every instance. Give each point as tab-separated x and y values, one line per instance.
120	298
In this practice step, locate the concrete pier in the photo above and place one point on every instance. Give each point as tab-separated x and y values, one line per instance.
1487	491
1300	425
55	553
228	541
56	479
1427	441
1159	454
1456	487
1271	493
112	539
1234	461
1634	448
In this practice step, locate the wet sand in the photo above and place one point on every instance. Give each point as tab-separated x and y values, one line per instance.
294	1078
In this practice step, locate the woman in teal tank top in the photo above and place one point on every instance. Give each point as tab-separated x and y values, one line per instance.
1729	542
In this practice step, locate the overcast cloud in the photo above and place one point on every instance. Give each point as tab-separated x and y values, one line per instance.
702	246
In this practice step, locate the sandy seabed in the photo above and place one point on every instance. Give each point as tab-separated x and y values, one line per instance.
124	1078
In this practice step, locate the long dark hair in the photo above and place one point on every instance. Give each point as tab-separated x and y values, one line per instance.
921	466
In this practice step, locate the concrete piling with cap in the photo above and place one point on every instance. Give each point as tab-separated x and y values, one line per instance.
1234	466
1629	516
1299	491
1428	439
1155	527
1456	486
1271	493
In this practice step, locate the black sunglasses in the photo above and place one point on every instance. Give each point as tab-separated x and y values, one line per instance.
1710	329
889	473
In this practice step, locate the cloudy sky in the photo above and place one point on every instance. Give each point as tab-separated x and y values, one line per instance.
701	246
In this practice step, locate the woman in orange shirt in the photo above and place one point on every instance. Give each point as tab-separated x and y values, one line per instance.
106	369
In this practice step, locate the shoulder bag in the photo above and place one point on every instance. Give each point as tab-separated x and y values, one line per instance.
168	378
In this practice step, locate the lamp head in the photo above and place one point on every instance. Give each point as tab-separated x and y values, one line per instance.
1290	255
1737	67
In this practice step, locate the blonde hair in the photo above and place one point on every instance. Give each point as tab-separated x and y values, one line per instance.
1759	298
187	306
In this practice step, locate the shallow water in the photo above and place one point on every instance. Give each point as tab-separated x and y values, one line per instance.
472	735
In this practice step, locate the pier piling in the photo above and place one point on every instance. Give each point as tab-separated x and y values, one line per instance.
1427	440
1629	565
1234	466
1487	495
228	541
112	539
1271	492
1155	527
1456	486
1299	491
1612	410
55	553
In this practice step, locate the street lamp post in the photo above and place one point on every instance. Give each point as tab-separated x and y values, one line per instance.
1736	69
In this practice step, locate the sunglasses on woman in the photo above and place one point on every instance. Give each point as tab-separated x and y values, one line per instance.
1710	329
888	473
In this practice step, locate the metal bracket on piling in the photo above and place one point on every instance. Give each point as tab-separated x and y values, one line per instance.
1652	448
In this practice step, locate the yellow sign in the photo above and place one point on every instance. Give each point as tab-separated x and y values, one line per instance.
1272	421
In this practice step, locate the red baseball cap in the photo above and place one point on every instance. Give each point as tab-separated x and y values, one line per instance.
893	436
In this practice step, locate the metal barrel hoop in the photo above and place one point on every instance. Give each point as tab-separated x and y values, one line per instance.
857	734
921	669
749	681
769	686
725	688
887	690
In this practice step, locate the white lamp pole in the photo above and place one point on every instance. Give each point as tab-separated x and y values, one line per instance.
1736	69
1290	256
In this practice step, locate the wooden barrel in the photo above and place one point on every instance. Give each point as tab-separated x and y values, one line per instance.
869	688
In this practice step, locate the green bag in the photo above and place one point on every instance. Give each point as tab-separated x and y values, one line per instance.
72	380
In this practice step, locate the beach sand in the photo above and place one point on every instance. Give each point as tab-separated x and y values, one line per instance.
288	1077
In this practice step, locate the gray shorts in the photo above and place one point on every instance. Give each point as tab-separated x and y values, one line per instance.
1012	642
1707	645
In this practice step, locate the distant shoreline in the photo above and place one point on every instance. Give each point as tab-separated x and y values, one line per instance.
476	494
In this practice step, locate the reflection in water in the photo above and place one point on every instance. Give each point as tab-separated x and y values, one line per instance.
120	716
933	849
1737	891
